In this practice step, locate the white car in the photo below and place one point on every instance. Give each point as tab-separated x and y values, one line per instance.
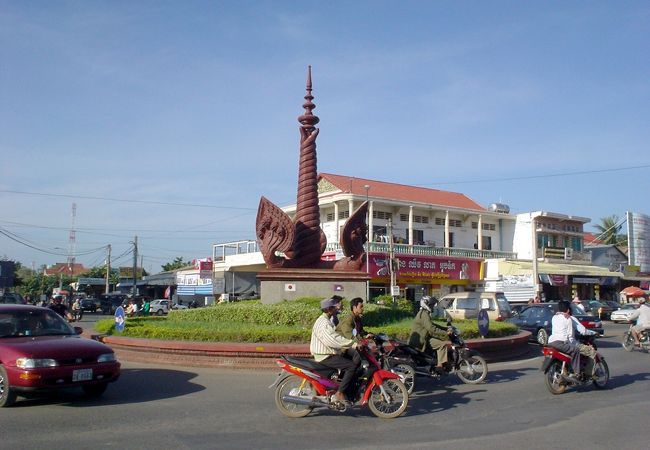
623	314
161	306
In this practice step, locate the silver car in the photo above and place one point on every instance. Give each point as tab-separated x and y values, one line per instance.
623	314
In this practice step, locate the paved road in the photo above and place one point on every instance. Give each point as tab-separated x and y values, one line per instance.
155	407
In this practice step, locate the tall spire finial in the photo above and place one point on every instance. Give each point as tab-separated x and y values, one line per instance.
308	120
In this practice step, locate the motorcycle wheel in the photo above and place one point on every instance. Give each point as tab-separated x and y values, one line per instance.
628	341
601	374
393	404
406	374
291	385
553	379
472	370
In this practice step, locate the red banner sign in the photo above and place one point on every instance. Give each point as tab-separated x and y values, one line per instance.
425	268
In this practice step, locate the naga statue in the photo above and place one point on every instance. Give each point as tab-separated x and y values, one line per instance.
300	243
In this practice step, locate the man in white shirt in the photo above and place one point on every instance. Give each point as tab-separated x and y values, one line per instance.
642	317
329	347
563	327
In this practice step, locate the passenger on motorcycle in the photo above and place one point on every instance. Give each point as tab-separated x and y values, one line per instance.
328	347
351	325
563	328
642	317
423	329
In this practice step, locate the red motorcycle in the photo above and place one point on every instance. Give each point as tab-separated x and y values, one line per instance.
304	384
556	368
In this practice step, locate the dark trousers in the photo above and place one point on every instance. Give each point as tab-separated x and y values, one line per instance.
571	350
349	366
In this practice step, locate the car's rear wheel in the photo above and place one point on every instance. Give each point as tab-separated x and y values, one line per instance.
542	336
94	390
7	395
160	312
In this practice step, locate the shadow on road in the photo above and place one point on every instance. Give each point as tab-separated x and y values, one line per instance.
134	386
506	375
627	378
441	399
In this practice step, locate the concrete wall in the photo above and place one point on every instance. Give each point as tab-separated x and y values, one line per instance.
276	291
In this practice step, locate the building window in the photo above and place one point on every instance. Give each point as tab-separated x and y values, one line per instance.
439	221
329	217
418	237
416	219
487	242
484	226
382	215
455	223
344	214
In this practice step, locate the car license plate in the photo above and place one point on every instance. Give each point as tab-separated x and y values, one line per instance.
82	375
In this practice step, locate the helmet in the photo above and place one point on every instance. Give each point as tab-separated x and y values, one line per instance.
427	302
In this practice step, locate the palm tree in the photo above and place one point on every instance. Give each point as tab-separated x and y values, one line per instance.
609	229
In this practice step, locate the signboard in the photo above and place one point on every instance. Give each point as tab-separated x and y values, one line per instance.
119	319
638	238
425	269
394	291
483	322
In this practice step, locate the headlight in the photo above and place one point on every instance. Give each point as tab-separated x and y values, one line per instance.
31	363
106	357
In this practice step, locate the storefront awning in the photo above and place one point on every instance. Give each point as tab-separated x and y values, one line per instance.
526	268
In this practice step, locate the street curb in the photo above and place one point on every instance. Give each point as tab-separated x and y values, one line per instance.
263	355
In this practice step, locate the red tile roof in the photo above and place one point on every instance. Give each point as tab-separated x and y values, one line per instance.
394	191
590	238
76	269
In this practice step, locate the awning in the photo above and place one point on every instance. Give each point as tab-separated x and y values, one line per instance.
526	268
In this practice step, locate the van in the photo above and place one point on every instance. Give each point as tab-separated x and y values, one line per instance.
466	305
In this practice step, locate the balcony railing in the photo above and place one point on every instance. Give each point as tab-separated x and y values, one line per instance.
429	250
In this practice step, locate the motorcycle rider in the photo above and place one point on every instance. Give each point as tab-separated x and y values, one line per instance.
59	307
563	328
423	329
351	325
642	317
328	347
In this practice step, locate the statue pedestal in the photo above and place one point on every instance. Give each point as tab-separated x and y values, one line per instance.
291	284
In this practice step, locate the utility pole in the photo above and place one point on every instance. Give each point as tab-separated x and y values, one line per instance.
367	188
108	270
135	265
391	261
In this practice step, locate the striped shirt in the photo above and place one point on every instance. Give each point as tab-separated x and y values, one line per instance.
325	340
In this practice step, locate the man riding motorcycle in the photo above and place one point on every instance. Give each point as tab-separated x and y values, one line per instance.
642	317
328	347
563	328
423	329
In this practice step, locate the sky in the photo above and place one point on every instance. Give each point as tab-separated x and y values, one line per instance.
169	120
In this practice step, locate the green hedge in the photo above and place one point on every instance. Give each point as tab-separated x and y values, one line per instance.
285	322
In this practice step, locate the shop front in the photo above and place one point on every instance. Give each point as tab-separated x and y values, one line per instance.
422	275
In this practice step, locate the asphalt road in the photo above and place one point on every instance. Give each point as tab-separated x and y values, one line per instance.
158	407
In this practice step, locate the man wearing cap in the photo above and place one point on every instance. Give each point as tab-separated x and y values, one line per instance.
328	346
642	317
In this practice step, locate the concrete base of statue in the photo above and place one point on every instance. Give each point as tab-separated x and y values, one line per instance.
291	284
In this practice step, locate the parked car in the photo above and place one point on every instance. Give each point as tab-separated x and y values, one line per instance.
12	298
160	306
90	304
39	350
623	314
110	302
466	305
597	309
537	317
613	304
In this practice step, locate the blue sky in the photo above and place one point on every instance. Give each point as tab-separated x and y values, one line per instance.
169	120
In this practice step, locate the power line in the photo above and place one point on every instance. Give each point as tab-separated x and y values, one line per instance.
530	177
149	202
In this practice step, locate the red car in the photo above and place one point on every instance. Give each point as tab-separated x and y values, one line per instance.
40	351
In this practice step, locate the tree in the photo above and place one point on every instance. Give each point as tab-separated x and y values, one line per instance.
100	272
609	229
178	263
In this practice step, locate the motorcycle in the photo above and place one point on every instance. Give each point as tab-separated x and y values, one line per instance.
628	340
408	362
77	314
556	367
304	384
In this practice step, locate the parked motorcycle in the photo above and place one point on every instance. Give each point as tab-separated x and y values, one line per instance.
556	367
304	384
407	361
628	340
